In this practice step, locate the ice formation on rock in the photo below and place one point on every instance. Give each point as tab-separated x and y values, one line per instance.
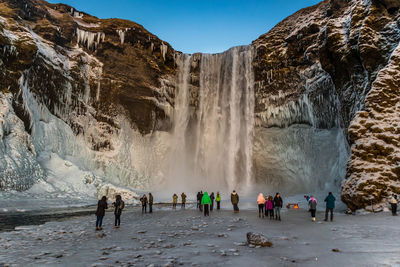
163	49
18	165
121	33
90	39
374	167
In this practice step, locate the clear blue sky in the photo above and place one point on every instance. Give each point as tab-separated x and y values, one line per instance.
197	26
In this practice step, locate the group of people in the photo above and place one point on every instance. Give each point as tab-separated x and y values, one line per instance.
330	206
118	205
267	206
144	200
175	200
206	202
270	206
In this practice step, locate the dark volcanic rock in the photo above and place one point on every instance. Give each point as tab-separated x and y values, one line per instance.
258	240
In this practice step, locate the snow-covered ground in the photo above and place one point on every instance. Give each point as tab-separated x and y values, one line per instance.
185	237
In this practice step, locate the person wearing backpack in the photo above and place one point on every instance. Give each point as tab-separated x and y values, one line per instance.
150	203
218	200
100	212
313	207
118	207
144	201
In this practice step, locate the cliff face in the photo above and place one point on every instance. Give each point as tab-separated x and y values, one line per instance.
332	55
129	82
100	94
80	85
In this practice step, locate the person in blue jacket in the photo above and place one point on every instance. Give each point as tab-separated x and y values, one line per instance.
330	205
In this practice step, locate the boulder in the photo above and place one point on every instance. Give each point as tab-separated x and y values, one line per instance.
258	240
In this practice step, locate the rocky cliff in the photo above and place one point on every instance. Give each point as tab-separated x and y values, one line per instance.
324	83
341	56
79	85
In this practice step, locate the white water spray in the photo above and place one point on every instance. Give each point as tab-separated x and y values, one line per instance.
213	127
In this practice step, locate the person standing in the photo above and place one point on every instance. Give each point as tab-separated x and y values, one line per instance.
278	204
307	198
144	201
313	207
206	202
218	200
198	200
183	196
330	205
100	212
201	197
212	197
118	207
151	203
393	204
174	201
261	203
235	201
269	207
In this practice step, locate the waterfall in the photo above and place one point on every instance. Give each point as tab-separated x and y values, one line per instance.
212	136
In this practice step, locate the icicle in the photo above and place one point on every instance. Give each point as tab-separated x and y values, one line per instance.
164	49
90	39
121	34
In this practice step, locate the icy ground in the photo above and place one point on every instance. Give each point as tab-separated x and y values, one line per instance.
184	237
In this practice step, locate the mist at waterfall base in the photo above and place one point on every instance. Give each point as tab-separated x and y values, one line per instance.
213	126
216	146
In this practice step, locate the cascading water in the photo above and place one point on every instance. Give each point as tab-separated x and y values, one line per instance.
214	122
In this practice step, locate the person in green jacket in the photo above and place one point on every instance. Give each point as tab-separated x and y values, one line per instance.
206	201
218	199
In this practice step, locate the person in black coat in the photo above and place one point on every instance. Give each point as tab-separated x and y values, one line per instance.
201	197
212	197
118	207
100	212
198	200
278	204
151	203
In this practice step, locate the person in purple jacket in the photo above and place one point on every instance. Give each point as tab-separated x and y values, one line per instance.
269	207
